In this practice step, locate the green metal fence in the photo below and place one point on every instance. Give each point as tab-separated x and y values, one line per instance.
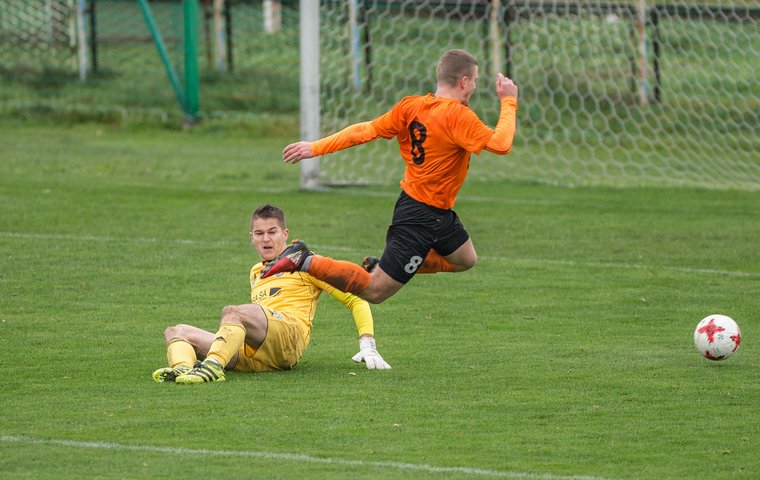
247	61
611	92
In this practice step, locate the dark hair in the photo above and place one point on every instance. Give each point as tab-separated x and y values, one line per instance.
453	65
269	211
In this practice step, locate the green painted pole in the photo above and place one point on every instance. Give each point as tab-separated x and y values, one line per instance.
192	82
148	14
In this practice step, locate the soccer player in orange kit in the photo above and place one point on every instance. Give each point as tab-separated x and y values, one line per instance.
436	134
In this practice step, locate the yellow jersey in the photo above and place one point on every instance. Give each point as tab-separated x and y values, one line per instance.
296	295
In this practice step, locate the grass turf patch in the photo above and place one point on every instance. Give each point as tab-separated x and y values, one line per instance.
566	352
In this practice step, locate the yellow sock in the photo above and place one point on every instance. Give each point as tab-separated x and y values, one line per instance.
227	343
180	352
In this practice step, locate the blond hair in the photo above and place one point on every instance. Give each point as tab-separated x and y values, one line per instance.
453	65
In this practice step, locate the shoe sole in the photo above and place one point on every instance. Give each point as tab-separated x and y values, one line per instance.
166	375
285	264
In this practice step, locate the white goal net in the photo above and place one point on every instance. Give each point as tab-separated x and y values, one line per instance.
619	94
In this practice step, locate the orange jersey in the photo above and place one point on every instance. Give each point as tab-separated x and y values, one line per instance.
436	137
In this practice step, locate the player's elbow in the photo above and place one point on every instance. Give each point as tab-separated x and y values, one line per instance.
499	148
500	142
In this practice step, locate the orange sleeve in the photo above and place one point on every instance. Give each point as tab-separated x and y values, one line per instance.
504	133
355	134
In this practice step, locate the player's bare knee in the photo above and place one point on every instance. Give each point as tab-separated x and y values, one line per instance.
465	262
175	332
374	299
469	263
231	313
374	296
235	314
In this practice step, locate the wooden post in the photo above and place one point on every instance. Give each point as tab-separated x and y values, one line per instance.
272	16
497	60
228	36
72	9
220	50
641	21
82	40
355	35
510	18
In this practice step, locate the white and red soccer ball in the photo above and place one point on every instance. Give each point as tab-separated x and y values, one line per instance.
717	337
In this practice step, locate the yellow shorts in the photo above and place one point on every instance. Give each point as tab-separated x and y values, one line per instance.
283	346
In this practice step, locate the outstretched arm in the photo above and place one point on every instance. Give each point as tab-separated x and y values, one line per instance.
348	137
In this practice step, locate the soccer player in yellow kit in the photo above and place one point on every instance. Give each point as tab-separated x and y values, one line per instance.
436	134
270	333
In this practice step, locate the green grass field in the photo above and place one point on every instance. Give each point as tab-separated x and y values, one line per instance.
565	354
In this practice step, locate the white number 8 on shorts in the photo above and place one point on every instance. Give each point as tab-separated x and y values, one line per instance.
413	265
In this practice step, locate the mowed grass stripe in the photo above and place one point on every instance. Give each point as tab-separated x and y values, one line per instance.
519	260
293	457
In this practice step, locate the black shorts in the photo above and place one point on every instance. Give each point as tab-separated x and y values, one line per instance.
415	230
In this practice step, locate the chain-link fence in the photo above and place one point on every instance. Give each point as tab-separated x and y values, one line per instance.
611	92
98	59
